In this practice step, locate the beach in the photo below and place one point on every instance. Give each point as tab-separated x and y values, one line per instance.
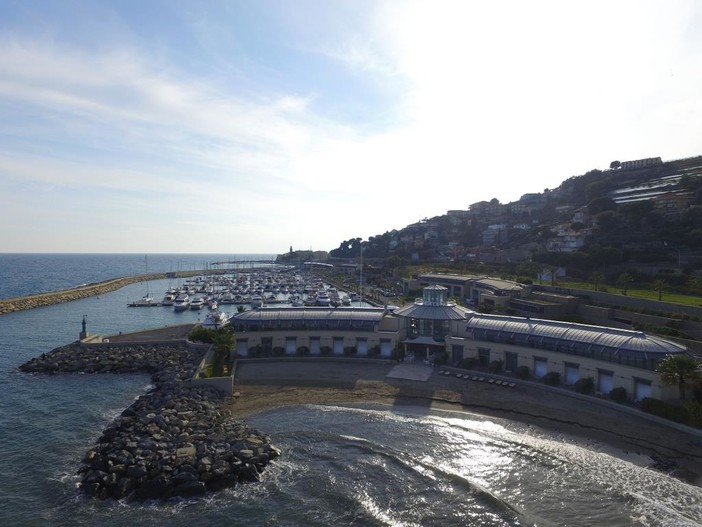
598	425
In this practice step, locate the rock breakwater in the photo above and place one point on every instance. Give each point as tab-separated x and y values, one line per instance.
177	440
10	305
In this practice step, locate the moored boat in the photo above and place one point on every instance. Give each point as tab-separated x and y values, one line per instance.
215	320
197	303
181	302
322	299
145	301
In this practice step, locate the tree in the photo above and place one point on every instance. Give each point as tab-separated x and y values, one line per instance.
678	369
601	204
659	285
223	340
623	282
596	277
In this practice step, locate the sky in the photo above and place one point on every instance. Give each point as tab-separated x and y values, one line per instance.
237	126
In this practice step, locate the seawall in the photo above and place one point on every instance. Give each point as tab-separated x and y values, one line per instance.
10	305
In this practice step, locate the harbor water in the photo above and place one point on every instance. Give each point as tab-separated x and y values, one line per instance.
340	465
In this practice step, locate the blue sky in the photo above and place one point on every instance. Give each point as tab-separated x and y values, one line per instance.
240	126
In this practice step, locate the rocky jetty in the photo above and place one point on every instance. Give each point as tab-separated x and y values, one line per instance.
178	440
10	305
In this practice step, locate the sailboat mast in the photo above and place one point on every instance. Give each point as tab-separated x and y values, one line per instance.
361	275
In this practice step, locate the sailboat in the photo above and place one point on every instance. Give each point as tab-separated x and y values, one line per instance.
146	300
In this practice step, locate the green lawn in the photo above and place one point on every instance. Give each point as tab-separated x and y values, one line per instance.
648	294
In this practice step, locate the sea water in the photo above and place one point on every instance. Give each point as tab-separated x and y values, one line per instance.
341	465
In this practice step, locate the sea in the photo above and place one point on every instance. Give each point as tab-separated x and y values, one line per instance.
341	465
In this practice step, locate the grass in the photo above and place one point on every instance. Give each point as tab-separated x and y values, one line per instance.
635	292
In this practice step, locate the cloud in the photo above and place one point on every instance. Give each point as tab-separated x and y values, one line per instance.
479	100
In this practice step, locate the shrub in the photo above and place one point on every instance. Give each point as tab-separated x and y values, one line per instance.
469	363
495	366
552	378
374	351
679	414
522	372
441	358
586	385
302	351
200	334
618	395
278	351
694	411
349	350
325	351
256	351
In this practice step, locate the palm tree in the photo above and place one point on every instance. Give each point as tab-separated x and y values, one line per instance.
222	342
596	277
678	369
659	285
623	281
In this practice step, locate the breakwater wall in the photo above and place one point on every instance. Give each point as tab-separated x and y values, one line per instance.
10	305
177	440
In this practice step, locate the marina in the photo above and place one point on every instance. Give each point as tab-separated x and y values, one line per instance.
252	289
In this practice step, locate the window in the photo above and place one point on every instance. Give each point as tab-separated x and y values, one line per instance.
290	345
338	345
642	389
572	373
540	367
605	381
456	353
511	361
385	348
484	356
242	347
362	346
314	346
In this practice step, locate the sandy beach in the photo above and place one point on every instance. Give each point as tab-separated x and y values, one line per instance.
262	386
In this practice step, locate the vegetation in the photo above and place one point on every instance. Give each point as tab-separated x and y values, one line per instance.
222	341
618	394
495	366
679	370
469	363
585	386
672	412
552	378
522	372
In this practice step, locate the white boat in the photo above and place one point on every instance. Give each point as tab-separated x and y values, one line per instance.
168	299
213	305
215	320
322	299
145	301
197	303
297	302
256	300
181	302
345	300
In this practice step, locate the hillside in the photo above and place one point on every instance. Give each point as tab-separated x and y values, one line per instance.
643	217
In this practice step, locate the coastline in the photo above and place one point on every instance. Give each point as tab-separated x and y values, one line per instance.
629	435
